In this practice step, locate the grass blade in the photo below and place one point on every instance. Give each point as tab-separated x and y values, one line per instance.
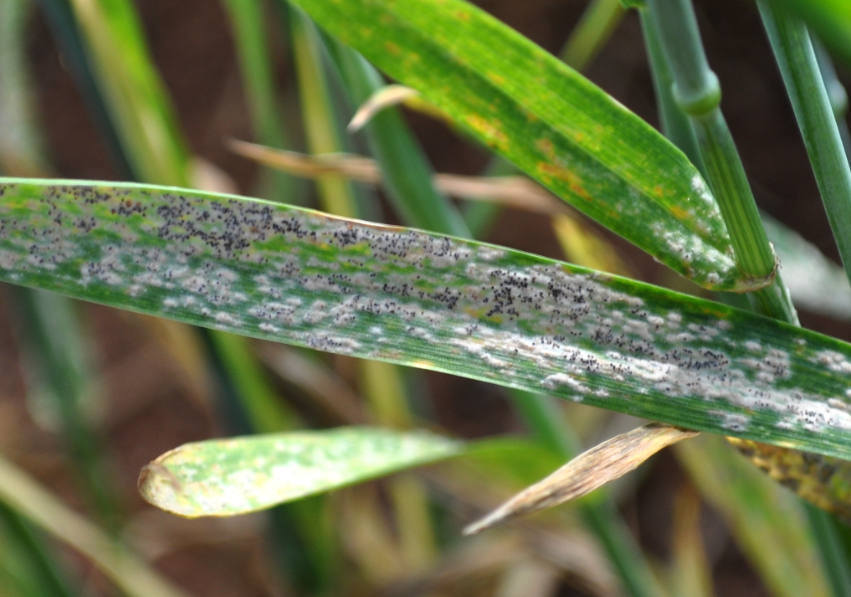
796	58
831	19
399	295
234	476
587	148
752	506
126	570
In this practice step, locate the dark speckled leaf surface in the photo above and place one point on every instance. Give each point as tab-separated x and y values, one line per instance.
430	301
549	120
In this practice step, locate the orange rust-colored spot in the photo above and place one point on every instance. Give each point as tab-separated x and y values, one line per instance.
489	129
546	146
392	48
573	181
679	213
495	78
462	15
658	191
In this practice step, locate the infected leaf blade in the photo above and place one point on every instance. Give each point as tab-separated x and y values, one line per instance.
550	121
585	473
226	477
404	296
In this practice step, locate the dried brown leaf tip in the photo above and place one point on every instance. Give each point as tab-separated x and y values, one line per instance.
385	97
585	473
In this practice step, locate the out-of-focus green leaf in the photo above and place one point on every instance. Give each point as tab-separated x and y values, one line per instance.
404	296
830	19
549	120
131	574
760	513
138	104
815	282
233	476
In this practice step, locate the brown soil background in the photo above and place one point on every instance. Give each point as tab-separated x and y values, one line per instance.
148	409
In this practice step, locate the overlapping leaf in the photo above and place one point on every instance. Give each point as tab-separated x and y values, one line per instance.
430	301
234	476
549	120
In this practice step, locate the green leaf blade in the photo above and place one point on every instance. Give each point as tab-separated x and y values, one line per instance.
585	146
245	474
404	296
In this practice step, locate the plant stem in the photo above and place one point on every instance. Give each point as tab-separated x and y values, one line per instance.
675	123
335	193
249	28
591	33
697	93
796	58
45	570
406	173
836	93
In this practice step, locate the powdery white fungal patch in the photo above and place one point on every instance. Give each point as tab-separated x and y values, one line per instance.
735	422
367	290
835	361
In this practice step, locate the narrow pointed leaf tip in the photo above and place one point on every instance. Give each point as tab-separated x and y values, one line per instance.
551	122
585	473
385	97
227	477
409	297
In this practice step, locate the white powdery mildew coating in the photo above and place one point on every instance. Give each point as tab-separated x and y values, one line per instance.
289	469
376	291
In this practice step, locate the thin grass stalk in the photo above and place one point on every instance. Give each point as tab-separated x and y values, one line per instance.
796	58
63	24
595	27
50	578
836	93
248	20
381	382
675	123
130	85
335	193
697	93
388	139
56	346
309	572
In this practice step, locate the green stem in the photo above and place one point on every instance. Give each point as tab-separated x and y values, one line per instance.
796	58
675	123
335	193
405	170
833	553
591	33
45	572
836	93
55	346
697	93
248	20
